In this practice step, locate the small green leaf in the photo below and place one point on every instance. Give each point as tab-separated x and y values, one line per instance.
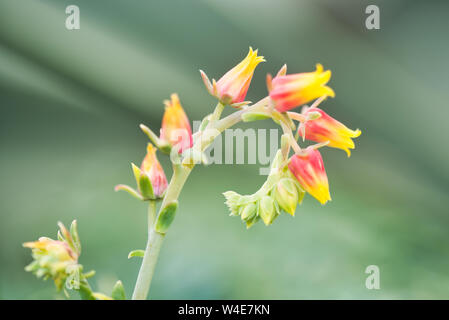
136	253
160	144
146	189
166	217
118	292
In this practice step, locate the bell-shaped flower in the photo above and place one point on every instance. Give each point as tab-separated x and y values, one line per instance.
233	86
308	168
176	129
325	128
293	90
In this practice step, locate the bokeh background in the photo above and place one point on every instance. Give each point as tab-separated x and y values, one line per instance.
71	102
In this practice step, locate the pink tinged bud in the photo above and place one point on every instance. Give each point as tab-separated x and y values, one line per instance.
153	169
291	91
176	128
233	86
308	168
325	128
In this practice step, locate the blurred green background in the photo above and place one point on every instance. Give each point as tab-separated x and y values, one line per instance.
71	102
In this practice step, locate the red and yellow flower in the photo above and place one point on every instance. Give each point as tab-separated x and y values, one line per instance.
325	128
153	169
293	90
176	128
233	86
308	168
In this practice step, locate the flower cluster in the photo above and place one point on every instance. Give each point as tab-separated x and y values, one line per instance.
306	167
58	260
290	177
280	192
176	135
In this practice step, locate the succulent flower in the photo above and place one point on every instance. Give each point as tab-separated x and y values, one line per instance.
153	170
308	168
325	128
55	259
293	90
150	178
288	195
176	129
233	86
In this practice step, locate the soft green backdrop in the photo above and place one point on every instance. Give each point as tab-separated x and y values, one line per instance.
71	102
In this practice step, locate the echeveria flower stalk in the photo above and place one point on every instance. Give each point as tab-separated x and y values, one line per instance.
233	86
308	168
293	90
288	180
176	129
325	128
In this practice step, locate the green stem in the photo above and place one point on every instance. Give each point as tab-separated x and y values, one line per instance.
155	239
148	265
85	290
217	112
151	213
180	175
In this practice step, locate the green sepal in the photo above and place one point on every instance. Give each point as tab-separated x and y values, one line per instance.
118	292
251	222
145	187
166	217
136	253
248	211
267	210
160	144
75	236
137	172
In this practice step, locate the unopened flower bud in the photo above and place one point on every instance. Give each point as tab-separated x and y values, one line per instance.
267	210
308	168
248	211
152	181
286	195
232	201
176	128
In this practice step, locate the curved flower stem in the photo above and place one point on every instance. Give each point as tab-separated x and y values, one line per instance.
217	112
155	238
180	175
